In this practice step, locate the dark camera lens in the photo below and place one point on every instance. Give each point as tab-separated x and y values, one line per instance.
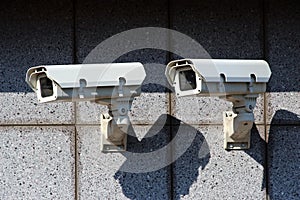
46	87
187	80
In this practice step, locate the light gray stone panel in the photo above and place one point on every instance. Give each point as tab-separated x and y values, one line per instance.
37	162
283	108
89	113
145	109
122	175
207	171
23	108
208	110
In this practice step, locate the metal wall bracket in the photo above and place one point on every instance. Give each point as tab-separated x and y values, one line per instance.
112	138
233	140
238	122
115	123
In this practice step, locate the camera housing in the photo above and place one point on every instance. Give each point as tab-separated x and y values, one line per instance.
85	82
111	84
237	81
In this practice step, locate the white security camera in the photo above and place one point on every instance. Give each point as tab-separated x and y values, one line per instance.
237	81
111	84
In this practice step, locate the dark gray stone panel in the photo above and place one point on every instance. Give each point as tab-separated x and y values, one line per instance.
225	29
283	43
33	33
284	162
98	21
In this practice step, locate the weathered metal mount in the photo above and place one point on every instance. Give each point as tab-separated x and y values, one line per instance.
115	123
114	127
238	122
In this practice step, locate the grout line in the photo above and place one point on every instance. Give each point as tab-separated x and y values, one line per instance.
76	155
75	61
258	124
172	165
76	166
69	125
39	125
265	56
266	164
201	124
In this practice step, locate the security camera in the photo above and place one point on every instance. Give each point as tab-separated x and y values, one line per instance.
237	81
111	84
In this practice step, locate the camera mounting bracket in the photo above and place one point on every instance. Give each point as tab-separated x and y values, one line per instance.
238	122
115	123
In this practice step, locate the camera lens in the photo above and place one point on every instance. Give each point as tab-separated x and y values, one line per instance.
46	87
187	80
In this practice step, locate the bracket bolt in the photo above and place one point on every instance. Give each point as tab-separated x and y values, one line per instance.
122	111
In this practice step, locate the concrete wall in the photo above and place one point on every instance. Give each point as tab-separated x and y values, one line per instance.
51	151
